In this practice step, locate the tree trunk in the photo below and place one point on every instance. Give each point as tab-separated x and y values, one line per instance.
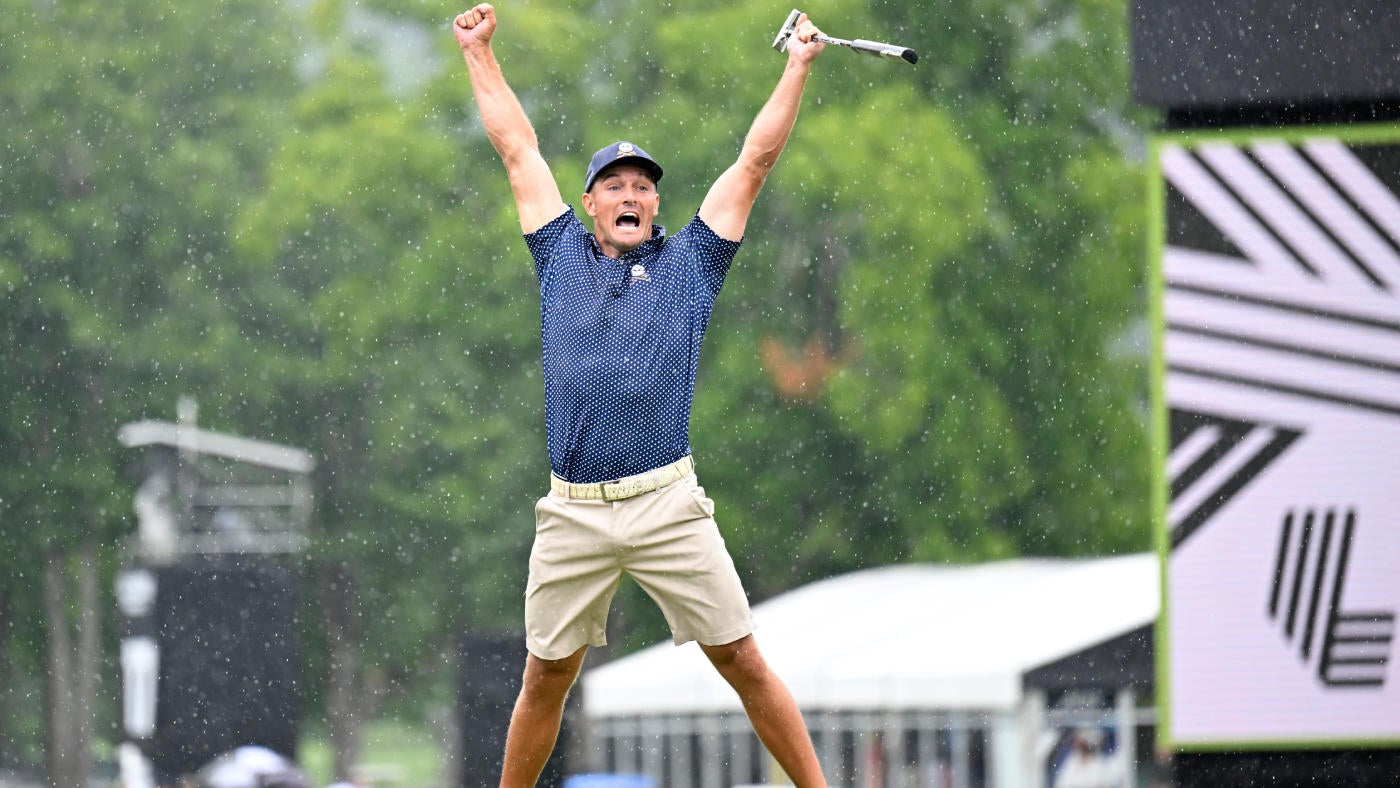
73	667
61	763
89	654
345	704
448	717
6	673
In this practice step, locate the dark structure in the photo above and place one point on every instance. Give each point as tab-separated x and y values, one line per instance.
211	596
1107	681
1208	63
1257	68
230	671
1123	661
490	668
1304	768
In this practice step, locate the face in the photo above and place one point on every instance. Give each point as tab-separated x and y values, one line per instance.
623	202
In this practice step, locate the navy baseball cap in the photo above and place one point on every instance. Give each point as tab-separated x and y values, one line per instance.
620	153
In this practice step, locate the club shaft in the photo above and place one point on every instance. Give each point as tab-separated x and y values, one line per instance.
873	48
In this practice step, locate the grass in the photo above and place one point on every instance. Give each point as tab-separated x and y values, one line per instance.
397	754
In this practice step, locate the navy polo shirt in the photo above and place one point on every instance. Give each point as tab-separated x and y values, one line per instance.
621	341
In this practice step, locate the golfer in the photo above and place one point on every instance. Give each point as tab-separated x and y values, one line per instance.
624	310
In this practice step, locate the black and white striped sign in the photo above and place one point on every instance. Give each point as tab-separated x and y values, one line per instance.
1282	311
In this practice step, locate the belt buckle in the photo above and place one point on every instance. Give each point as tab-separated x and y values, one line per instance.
603	490
631	487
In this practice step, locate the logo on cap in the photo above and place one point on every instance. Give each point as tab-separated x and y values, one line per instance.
616	152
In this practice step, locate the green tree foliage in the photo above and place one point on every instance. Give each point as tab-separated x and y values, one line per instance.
923	351
131	129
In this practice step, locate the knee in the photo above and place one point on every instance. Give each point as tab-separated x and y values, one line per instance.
550	679
739	662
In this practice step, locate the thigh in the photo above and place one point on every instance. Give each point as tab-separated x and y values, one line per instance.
574	572
681	561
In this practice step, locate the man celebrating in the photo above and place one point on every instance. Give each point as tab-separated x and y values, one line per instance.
624	310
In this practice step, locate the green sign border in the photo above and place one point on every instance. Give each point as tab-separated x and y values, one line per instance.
1369	134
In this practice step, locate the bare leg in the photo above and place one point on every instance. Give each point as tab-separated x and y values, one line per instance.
534	725
771	709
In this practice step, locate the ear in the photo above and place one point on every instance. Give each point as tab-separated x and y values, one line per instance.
589	206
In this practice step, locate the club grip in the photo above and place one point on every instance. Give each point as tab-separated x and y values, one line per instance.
885	50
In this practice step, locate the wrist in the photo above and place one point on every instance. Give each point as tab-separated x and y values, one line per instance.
799	64
478	54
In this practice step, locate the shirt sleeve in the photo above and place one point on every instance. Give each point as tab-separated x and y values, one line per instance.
715	254
542	241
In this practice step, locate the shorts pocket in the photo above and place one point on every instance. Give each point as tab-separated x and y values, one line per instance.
703	504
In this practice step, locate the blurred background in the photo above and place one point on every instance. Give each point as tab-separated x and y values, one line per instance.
933	346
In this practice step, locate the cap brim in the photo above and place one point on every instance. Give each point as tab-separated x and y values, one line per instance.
653	169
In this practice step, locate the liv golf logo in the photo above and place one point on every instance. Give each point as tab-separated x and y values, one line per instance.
1345	648
1280	312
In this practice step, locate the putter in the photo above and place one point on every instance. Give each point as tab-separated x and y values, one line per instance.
860	45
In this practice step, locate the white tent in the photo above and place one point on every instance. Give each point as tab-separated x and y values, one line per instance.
913	639
912	636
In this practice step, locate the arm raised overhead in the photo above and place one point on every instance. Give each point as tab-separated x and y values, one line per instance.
730	200
537	196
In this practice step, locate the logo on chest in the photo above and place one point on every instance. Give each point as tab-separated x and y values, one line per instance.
639	273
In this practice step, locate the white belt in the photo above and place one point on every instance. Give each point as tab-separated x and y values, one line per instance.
626	487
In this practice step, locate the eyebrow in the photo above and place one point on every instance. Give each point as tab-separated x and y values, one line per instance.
618	176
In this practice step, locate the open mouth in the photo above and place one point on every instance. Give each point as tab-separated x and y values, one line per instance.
629	219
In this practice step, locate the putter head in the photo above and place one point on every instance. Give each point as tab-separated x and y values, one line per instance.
785	32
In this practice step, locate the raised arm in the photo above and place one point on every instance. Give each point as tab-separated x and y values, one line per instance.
727	206
537	196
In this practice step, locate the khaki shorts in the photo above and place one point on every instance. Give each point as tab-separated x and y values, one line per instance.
666	539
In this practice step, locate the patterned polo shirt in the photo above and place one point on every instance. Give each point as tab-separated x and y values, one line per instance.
621	341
